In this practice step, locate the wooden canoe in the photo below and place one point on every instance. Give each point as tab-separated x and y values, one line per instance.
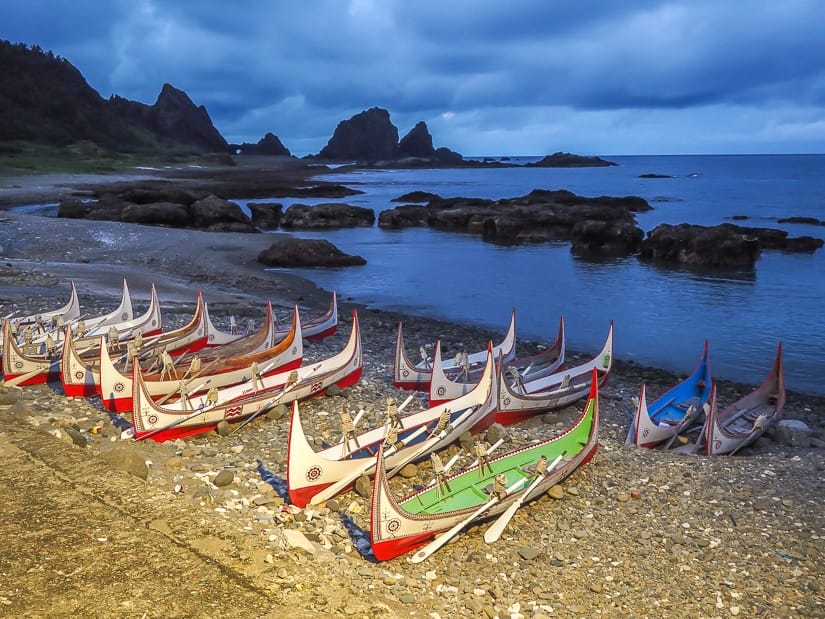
675	410
520	400
417	376
448	384
309	473
198	414
80	371
740	424
401	525
116	387
66	313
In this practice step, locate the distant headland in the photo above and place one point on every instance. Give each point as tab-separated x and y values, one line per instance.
47	106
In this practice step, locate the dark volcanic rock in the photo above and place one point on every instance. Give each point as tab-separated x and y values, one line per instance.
170	193
219	215
367	136
802	220
327	215
293	252
417	143
569	160
720	246
606	237
176	116
157	214
545	216
803	244
267	145
266	216
417	196
405	216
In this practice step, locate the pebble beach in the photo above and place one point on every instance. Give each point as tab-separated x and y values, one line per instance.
95	524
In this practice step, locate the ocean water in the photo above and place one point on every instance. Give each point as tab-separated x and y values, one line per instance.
662	315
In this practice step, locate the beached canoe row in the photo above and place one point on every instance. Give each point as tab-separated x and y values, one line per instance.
188	380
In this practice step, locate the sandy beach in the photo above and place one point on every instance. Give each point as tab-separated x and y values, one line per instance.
701	537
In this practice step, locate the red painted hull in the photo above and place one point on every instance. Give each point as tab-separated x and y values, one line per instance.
123	404
184	431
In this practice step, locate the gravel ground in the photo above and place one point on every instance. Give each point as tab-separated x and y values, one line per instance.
635	533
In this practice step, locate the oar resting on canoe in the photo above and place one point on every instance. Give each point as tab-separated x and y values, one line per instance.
481	491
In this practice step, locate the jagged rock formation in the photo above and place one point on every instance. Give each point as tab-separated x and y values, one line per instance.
267	145
417	143
370	137
45	100
294	252
366	136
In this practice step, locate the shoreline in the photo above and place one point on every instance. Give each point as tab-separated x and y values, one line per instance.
747	531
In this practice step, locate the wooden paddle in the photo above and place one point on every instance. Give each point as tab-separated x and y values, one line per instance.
497	528
23	377
283	392
442	540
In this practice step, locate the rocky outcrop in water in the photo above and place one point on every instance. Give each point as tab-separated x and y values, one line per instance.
327	215
266	216
726	245
569	160
599	224
293	252
405	216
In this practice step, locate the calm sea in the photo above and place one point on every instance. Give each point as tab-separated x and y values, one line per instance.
662	315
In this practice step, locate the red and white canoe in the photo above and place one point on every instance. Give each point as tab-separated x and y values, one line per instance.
313	477
116	388
520	400
401	525
448	384
80	373
412	376
320	327
121	314
740	424
199	414
30	364
67	313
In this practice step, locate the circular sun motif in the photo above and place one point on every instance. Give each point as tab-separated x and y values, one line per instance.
18	365
119	387
506	400
152	419
393	525
79	375
313	473
124	316
405	373
645	432
441	391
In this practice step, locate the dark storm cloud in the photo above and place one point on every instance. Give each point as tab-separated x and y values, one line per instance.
522	73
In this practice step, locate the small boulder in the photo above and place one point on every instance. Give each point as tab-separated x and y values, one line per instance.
224	478
294	252
793	432
127	460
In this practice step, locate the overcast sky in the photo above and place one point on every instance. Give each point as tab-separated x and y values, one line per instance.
521	77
